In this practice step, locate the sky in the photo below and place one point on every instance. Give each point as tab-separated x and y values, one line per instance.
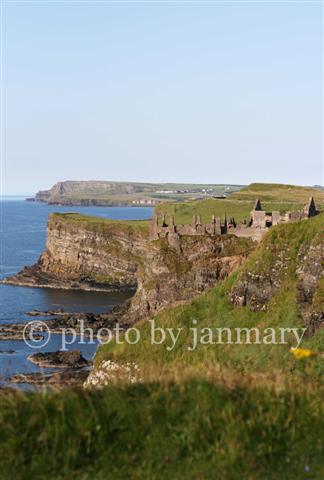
201	92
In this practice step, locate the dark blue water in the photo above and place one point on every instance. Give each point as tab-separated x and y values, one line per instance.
22	239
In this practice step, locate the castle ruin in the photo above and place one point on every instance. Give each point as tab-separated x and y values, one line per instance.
159	228
260	221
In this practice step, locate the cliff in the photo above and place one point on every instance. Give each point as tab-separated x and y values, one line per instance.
87	253
172	275
290	255
92	253
278	289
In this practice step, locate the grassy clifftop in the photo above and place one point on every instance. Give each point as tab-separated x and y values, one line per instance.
239	209
275	197
99	224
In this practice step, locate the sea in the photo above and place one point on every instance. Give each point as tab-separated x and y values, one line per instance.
22	240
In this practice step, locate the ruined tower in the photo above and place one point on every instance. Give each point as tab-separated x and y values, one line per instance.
310	208
258	216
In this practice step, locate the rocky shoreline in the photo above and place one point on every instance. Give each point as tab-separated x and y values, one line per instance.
64	320
34	277
74	369
70	368
66	377
59	359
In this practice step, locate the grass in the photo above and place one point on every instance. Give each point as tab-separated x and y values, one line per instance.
192	430
284	242
100	224
278	192
274	197
240	210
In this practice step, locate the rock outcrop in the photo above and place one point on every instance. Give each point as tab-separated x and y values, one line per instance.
71	359
289	255
87	253
172	275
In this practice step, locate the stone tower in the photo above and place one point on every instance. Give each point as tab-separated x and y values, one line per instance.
257	205
310	208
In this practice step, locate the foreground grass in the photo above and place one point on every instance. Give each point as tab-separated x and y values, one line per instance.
193	430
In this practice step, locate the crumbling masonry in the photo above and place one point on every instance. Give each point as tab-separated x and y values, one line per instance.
258	225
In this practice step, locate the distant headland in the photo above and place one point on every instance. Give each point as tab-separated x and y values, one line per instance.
109	193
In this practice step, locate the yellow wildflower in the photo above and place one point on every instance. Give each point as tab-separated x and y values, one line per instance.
302	353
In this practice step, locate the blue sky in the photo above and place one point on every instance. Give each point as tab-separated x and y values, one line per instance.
223	92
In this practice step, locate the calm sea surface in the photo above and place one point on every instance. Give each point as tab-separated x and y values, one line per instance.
22	239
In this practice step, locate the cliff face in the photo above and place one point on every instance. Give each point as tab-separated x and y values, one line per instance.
79	251
172	275
290	255
64	192
83	252
87	252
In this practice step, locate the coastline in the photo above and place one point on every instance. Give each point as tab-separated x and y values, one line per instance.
34	277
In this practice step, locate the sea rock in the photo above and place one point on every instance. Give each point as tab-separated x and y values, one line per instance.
67	377
72	359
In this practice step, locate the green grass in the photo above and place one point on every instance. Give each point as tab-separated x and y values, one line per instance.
284	242
278	192
213	310
193	430
240	210
274	197
76	220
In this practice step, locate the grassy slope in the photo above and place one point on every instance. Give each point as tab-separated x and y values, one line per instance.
194	430
225	412
213	309
239	204
278	192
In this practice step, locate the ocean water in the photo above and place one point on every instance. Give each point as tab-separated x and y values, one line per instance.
22	239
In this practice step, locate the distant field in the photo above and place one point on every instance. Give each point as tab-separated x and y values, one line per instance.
183	212
274	197
278	192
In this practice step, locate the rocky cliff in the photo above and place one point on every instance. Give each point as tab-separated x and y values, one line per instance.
88	253
92	253
172	275
290	255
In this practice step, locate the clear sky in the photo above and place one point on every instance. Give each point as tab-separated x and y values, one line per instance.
223	92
